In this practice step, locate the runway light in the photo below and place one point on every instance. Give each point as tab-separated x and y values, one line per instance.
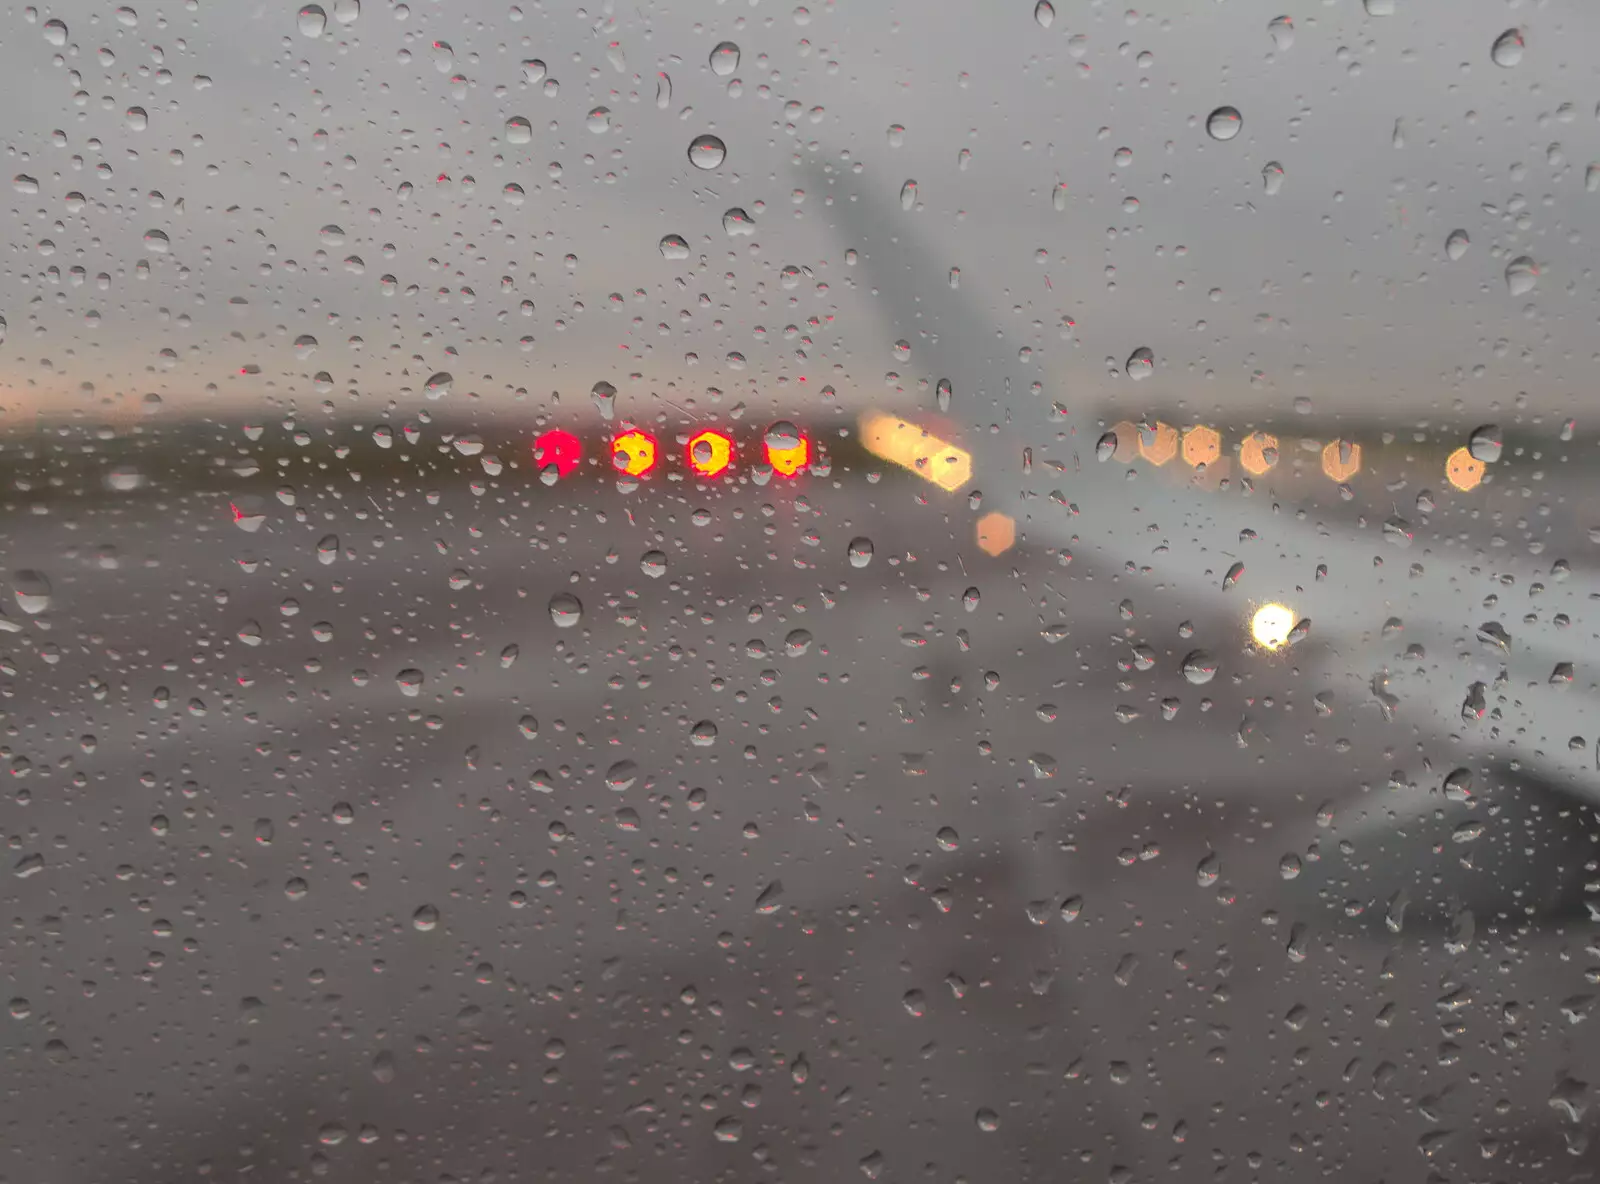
787	451
709	452
1341	460
1463	470
907	445
1259	453
1158	444
1201	446
997	533
1271	625
558	448
634	453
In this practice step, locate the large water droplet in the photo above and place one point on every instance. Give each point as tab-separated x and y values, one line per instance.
604	397
566	610
1456	245
1486	443
736	223
438	385
1522	275
908	195
410	682
519	130
424	920
724	59
311	21
1106	447
1507	49
32	590
599	120
55	33
1272	177
861	551
346	12
1141	364
1281	30
674	246
1199	667
1044	12
653	564
1380	7
707	152
1224	123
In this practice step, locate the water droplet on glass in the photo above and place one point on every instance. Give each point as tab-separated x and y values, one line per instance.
409	681
604	397
1106	447
519	130
1456	245
707	152
533	70
653	564
1380	7
908	195
1507	49
1486	443
566	610
55	33
942	391
674	246
1208	870
1272	177
424	920
1199	667
797	642
1281	30
438	385
1141	364
1522	275
599	120
738	224
703	734
1044	12
311	21
621	776
724	59
1224	123
770	900
346	12
663	91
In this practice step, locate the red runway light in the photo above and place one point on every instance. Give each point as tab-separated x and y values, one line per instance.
558	448
634	453
709	452
789	454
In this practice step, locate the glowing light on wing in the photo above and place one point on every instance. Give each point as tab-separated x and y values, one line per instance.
905	444
1463	470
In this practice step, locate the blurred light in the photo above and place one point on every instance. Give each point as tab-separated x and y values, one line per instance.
997	533
910	447
1258	453
634	453
1463	470
786	462
709	452
558	448
1341	460
1127	434
1158	444
1201	446
1271	625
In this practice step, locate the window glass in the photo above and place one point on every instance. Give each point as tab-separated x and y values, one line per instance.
727	590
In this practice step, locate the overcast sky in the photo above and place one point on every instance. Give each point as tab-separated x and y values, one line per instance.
1335	288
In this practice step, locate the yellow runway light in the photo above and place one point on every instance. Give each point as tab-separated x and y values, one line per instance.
1271	625
1259	453
905	444
1341	460
1463	470
1158	444
1201	446
997	533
